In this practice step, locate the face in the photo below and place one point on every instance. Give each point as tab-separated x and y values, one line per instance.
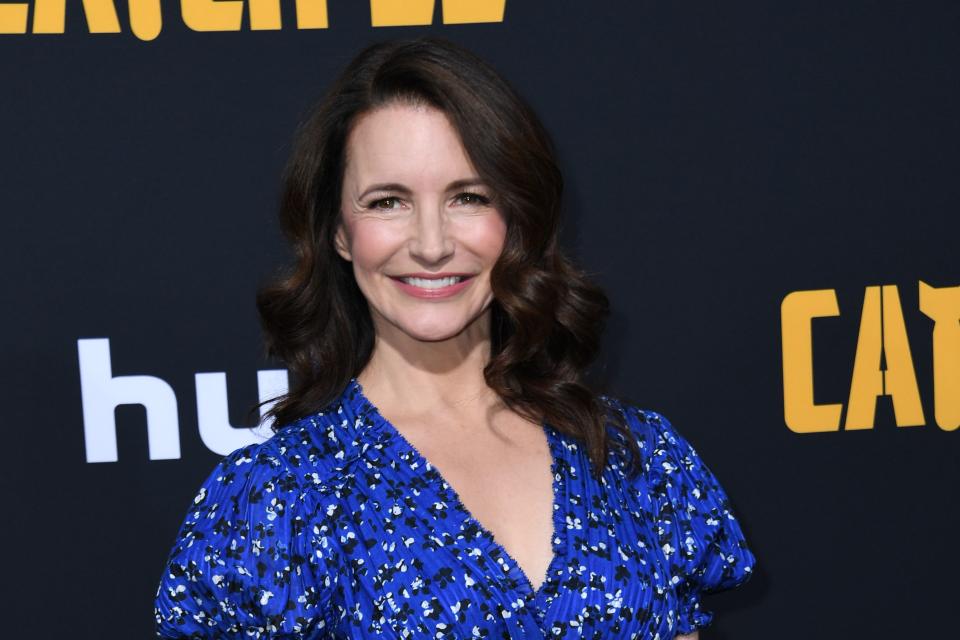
418	224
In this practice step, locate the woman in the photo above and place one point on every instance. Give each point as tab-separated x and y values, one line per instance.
440	469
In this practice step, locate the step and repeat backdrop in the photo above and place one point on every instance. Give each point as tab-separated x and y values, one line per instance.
767	191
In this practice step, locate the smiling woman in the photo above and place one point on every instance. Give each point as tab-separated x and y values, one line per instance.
421	236
503	497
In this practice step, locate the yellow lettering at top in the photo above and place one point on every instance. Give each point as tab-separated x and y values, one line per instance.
226	15
212	15
312	14
472	11
400	13
942	305
13	17
265	14
405	13
883	331
49	16
145	18
796	314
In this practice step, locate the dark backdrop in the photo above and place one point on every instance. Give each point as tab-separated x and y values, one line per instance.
718	157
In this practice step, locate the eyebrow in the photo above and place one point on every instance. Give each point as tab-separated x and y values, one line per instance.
403	189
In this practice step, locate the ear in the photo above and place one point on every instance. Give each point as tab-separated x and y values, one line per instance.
341	243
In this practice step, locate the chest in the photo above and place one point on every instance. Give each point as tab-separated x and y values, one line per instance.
500	480
421	566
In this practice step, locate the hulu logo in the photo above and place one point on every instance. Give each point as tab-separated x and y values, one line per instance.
102	392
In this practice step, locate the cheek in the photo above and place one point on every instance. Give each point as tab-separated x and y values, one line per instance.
373	244
489	236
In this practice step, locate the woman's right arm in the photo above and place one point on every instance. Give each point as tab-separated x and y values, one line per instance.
245	564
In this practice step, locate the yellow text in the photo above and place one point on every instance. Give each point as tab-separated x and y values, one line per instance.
882	340
146	19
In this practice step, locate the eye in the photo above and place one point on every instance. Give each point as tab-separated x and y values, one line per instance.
471	198
384	204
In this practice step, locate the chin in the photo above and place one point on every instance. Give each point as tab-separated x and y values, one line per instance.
433	333
434	327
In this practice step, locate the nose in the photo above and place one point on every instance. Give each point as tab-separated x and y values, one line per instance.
430	241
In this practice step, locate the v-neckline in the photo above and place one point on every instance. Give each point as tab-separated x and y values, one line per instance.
558	536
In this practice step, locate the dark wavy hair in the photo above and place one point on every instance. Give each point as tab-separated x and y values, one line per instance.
546	316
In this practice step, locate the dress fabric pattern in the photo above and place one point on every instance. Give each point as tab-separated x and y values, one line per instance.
337	528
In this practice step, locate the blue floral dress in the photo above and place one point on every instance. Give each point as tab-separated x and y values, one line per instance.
336	528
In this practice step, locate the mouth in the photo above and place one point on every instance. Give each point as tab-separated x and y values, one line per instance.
432	283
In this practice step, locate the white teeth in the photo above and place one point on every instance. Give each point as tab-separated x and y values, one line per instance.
439	283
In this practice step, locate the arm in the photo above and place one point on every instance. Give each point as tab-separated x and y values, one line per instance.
704	546
244	564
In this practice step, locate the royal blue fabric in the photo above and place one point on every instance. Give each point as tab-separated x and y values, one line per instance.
336	527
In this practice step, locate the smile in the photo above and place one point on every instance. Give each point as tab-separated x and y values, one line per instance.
432	287
437	283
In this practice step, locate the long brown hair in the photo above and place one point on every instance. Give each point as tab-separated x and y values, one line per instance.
546	317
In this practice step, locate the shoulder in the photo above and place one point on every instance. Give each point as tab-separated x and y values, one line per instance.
653	433
672	469
316	450
700	537
258	552
305	459
249	493
255	544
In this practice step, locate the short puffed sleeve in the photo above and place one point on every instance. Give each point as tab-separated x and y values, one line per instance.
249	560
697	531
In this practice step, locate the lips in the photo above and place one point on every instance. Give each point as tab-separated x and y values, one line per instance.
460	277
432	276
443	286
433	283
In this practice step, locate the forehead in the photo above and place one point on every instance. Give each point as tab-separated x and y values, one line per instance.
406	143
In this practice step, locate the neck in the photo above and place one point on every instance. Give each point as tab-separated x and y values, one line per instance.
418	375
